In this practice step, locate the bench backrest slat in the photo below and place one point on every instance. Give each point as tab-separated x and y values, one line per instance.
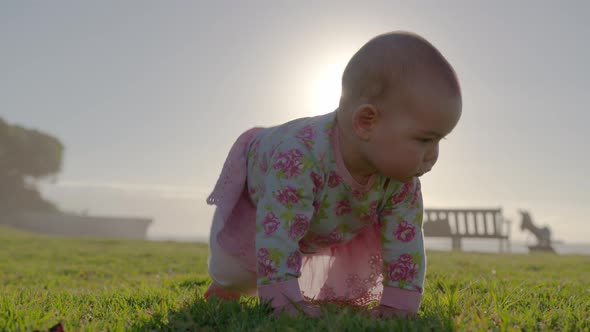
470	219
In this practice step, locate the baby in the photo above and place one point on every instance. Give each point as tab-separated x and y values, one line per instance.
329	207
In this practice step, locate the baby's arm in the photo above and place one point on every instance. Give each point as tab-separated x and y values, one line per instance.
283	215
404	256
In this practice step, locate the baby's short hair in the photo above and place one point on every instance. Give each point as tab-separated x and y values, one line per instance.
388	63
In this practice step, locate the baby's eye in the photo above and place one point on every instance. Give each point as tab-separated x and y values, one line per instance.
425	140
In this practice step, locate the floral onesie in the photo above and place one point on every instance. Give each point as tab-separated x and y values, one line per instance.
306	200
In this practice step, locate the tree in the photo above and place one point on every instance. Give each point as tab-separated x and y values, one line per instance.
26	156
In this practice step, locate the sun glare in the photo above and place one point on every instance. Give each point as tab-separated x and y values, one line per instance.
325	89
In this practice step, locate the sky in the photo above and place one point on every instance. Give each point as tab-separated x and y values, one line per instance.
148	96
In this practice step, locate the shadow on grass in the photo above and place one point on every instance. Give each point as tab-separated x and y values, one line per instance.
248	315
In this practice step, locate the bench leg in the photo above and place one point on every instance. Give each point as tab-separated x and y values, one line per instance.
505	246
456	243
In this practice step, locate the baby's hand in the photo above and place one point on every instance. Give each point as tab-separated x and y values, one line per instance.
298	308
383	311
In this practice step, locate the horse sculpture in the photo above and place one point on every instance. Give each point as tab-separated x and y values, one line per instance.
543	234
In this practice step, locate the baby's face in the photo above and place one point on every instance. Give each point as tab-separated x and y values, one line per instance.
405	142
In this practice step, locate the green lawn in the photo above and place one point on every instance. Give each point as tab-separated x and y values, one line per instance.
138	285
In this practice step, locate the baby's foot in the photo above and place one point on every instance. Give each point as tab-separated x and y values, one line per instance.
220	292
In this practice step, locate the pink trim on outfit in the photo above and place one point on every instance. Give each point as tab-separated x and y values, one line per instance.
402	299
348	178
280	293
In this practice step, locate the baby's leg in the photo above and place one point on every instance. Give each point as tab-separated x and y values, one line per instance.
230	277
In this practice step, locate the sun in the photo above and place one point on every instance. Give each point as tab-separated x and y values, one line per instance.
326	88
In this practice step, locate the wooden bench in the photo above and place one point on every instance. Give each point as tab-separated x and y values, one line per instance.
459	224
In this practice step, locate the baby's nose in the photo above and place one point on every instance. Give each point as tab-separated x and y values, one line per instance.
431	157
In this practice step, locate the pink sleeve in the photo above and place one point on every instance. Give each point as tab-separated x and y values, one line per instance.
401	299
280	293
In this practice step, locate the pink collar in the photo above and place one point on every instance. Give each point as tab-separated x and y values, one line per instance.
347	177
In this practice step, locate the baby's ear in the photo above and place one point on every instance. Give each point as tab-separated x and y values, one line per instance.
364	120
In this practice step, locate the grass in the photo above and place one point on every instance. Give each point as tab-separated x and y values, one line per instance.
99	285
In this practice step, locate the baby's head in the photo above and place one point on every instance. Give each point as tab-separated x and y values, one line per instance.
400	97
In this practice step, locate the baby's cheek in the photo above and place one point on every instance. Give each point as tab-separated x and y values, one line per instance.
405	163
395	165
414	156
